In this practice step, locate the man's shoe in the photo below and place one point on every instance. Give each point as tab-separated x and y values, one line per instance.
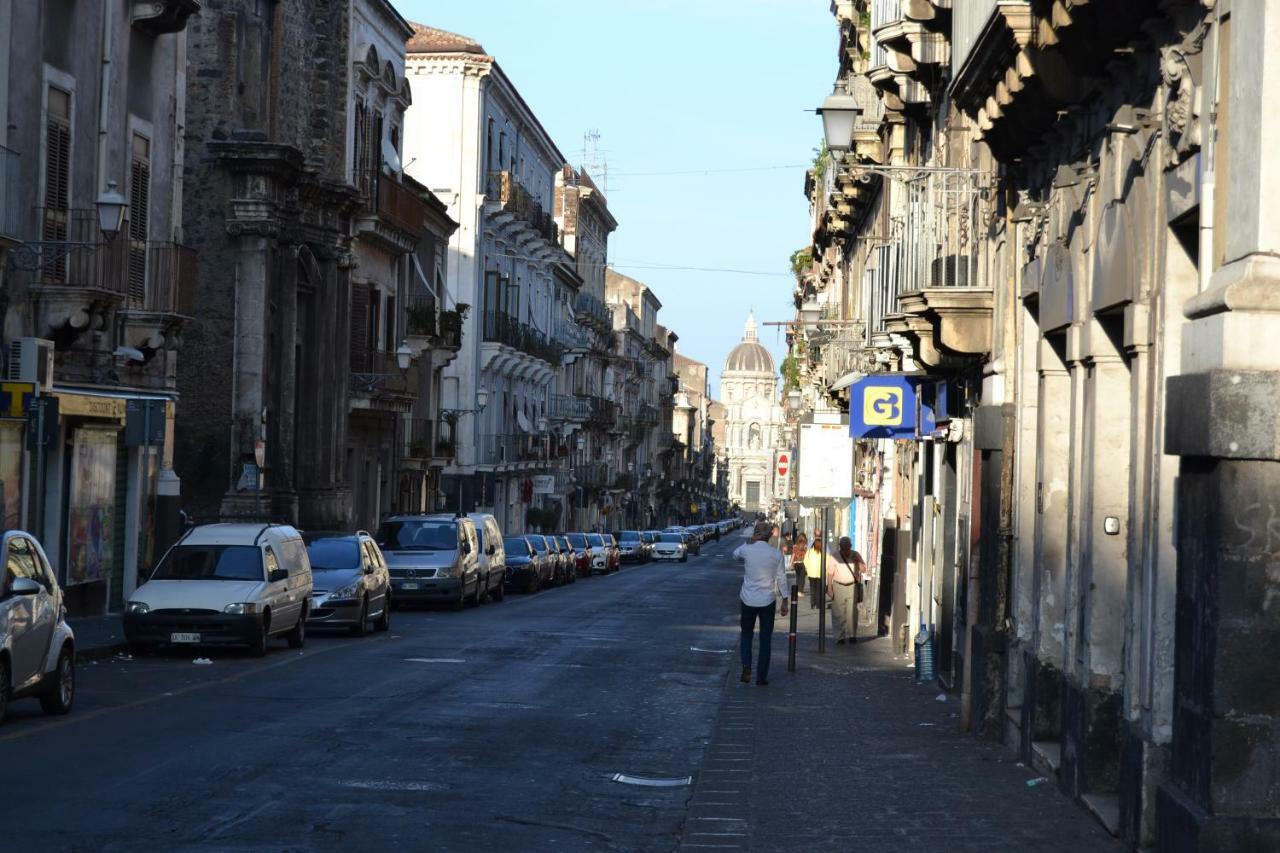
746	675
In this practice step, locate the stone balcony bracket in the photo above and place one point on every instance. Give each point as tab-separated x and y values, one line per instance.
157	17
949	324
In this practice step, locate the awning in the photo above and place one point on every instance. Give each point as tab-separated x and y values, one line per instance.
845	381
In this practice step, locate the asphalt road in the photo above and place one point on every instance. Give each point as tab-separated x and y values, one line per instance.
496	728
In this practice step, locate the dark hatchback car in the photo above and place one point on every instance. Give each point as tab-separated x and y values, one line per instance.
548	556
568	559
525	567
350	582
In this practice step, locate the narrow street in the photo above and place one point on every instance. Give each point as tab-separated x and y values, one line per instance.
500	729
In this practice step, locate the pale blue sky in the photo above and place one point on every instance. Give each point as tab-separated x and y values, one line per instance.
679	86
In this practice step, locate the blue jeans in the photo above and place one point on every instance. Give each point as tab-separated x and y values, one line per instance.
749	616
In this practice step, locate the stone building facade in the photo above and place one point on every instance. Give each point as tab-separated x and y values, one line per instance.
295	346
1063	219
93	313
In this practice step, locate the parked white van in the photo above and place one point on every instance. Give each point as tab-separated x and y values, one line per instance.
493	554
225	584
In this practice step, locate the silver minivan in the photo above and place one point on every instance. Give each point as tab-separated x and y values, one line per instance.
492	554
432	558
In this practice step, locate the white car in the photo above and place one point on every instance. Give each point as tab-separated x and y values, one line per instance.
225	584
37	646
670	546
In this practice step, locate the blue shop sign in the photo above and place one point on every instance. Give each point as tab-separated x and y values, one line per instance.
896	405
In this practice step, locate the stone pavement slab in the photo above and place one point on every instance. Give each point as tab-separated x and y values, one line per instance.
850	754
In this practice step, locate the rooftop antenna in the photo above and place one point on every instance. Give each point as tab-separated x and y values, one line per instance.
593	160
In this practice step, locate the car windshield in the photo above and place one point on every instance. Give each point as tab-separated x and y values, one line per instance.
577	540
335	554
596	540
628	536
515	545
649	536
415	535
539	544
670	537
210	562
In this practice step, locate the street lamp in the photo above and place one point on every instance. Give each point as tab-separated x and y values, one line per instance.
482	397
111	210
809	314
839	112
582	443
404	356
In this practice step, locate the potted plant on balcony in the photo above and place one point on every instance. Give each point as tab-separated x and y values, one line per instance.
420	325
451	325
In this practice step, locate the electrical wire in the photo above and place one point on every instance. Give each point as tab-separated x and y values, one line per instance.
710	171
643	265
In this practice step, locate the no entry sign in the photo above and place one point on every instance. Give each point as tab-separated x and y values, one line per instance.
784	463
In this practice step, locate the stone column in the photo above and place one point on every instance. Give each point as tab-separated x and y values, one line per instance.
252	282
1224	422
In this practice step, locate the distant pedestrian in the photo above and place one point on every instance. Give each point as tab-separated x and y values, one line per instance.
845	573
798	550
813	569
764	581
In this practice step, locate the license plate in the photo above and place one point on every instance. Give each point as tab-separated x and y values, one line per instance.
184	638
409	586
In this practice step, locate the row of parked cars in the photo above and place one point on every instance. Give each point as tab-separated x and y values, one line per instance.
672	543
247	584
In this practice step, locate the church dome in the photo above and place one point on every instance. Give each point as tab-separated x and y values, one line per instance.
749	356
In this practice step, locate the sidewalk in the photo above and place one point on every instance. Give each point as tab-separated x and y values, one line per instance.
850	754
98	637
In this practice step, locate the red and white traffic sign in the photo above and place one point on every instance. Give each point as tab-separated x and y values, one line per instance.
784	463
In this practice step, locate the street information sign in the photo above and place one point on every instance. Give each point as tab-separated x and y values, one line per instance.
825	463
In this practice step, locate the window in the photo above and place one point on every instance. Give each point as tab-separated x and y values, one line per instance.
269	559
213	562
502	150
57	176
753	494
488	147
335	553
139	207
21	561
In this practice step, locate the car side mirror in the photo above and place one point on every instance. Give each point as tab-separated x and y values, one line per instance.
368	568
492	550
465	548
24	586
277	575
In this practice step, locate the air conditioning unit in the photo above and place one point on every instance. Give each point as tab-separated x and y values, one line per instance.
31	360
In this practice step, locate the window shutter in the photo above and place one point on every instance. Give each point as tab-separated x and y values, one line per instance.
139	207
359	327
57	188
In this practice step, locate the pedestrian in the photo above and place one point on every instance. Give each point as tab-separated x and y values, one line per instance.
813	569
845	573
764	580
798	549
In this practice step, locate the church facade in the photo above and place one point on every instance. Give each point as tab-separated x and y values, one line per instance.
753	423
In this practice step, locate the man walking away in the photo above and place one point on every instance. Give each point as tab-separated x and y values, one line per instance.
845	572
764	580
813	569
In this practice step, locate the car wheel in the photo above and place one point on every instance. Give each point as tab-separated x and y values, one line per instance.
61	693
383	622
298	636
534	584
362	627
478	597
461	601
499	592
258	646
685	558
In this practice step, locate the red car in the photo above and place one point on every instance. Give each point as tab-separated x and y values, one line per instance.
581	553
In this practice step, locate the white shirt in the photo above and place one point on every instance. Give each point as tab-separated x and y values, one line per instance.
765	575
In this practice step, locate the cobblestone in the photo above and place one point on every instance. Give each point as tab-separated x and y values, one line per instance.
850	754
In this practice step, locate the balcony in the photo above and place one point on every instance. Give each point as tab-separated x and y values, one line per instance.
501	328
590	311
428	442
157	17
575	339
603	413
161	294
648	414
393	216
512	451
84	277
431	330
592	475
378	383
510	197
567	407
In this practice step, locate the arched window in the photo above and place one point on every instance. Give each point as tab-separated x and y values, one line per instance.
753	437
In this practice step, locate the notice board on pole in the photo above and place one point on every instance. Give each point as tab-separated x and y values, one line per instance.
825	463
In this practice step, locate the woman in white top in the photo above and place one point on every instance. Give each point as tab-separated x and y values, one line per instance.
845	573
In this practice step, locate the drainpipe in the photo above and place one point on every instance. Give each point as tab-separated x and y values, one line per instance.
104	91
1207	158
